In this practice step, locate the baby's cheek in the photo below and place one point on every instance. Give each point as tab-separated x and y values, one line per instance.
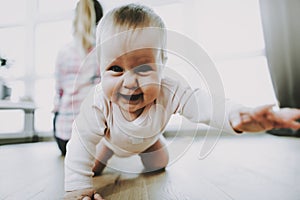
108	88
151	91
151	81
154	85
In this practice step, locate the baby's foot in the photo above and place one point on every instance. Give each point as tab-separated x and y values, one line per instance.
98	168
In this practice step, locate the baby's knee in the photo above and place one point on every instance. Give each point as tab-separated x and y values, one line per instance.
164	161
155	162
161	162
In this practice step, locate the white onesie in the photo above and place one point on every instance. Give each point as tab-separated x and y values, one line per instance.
101	119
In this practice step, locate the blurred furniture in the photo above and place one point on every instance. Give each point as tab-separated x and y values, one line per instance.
28	108
4	90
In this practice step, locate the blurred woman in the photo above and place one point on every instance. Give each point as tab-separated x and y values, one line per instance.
76	70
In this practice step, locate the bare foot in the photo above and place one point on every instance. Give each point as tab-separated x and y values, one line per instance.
98	168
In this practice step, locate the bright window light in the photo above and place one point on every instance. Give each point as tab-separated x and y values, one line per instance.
12	11
12	47
230	26
12	121
44	103
50	37
54	6
33	31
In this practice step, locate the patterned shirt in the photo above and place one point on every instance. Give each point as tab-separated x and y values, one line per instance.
75	75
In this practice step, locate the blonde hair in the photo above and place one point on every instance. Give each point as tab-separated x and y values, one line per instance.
84	24
131	17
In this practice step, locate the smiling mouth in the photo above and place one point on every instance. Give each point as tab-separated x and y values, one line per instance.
133	97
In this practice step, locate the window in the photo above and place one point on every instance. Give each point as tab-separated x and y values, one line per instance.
30	39
229	30
51	6
12	12
12	40
49	38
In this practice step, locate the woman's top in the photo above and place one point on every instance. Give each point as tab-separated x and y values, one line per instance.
75	75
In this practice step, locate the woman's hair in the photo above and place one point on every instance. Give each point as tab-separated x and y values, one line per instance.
87	15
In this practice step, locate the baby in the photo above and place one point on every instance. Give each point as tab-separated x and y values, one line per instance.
128	111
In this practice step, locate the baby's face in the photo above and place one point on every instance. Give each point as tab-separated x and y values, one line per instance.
132	79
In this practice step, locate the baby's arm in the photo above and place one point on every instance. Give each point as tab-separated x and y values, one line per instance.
88	129
264	118
84	194
78	165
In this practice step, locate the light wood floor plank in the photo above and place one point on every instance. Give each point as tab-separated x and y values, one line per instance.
246	167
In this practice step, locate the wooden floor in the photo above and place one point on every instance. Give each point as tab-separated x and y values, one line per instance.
247	167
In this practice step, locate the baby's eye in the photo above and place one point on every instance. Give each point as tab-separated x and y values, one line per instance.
143	69
115	68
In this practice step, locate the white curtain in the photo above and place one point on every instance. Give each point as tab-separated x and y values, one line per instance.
281	26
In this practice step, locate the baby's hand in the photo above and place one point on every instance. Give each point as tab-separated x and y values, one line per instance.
264	118
85	194
285	118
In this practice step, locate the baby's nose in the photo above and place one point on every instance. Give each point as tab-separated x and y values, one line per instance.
130	81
